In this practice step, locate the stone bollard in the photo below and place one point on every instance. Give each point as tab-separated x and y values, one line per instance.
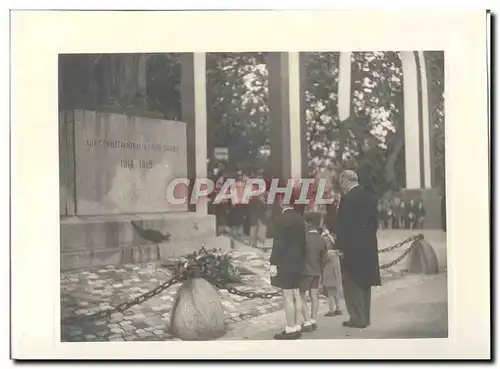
423	259
197	313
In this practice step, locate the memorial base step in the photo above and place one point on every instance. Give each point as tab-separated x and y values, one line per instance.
112	240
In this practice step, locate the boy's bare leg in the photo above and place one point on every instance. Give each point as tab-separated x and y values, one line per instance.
297	309
289	309
314	294
305	310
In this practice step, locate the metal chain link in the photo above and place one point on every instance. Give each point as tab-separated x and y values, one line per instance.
249	295
416	238
121	307
400	257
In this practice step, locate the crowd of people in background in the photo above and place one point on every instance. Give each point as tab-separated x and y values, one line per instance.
396	213
243	219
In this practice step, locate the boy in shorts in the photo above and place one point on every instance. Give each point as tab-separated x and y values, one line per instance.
316	247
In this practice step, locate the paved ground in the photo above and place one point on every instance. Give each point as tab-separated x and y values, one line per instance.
87	291
411	308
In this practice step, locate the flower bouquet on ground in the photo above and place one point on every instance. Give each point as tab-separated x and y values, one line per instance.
213	264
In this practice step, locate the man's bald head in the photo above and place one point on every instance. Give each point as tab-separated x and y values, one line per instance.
348	179
349	175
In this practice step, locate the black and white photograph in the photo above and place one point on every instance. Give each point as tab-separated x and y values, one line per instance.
372	264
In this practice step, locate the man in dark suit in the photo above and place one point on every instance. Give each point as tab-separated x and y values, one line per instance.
287	263
356	229
330	221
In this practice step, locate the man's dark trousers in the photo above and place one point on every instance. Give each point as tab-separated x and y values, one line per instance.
357	300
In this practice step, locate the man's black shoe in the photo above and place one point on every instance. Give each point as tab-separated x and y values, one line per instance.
353	325
307	328
287	336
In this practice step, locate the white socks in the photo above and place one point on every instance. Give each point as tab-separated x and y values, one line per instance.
290	329
309	322
294	329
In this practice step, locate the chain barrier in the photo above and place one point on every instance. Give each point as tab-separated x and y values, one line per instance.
416	238
121	307
400	257
248	294
232	234
196	265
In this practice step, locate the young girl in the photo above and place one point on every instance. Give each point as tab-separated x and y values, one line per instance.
331	276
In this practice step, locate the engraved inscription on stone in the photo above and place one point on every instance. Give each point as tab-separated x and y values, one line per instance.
124	164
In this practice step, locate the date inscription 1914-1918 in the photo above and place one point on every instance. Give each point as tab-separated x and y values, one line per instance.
131	164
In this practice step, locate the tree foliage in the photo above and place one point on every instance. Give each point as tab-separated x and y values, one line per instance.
237	106
371	140
377	108
320	85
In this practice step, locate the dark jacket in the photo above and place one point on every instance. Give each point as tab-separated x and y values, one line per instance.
331	217
357	236
315	254
289	242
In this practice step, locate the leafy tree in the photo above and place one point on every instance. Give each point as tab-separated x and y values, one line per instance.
377	110
321	84
237	106
369	140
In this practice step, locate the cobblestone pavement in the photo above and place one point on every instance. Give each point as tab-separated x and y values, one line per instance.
88	291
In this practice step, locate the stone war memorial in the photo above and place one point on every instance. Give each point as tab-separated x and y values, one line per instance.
116	161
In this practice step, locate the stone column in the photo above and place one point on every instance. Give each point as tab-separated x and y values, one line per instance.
418	147
194	114
295	115
412	114
344	85
288	152
425	123
418	154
